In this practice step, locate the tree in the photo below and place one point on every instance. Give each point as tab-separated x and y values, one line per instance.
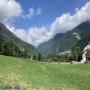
34	57
78	54
39	57
10	49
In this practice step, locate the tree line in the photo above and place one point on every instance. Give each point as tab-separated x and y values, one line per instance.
76	55
8	48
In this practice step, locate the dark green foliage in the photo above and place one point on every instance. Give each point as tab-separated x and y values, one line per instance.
39	57
12	45
9	49
77	54
34	57
59	58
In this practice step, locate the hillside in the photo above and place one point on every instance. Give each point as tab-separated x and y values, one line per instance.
83	42
7	37
67	41
45	48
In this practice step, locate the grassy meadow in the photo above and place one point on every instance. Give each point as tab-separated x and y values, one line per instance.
30	75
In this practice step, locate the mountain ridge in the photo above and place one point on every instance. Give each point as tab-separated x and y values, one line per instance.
7	36
68	41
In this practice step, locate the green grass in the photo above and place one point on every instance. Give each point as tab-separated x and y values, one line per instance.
43	76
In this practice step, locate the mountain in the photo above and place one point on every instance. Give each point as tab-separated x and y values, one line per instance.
77	37
50	46
83	42
11	42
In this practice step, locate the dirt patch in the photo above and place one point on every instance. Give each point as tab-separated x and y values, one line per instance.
65	87
15	80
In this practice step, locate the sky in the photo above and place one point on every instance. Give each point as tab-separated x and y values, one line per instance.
37	21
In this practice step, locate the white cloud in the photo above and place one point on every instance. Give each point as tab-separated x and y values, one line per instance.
32	13
39	11
67	21
9	9
62	24
33	35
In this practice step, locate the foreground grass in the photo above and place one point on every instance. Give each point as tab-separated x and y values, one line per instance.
43	76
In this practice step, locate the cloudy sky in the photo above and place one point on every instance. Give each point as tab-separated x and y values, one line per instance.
36	21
